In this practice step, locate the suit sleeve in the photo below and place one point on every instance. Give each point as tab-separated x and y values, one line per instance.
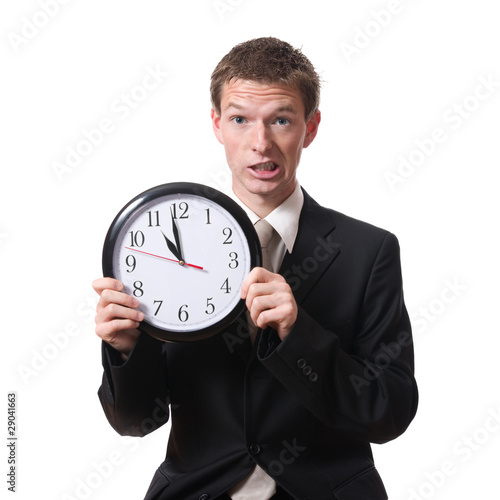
134	393
368	391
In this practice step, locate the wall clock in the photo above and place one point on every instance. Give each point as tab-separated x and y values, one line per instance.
183	250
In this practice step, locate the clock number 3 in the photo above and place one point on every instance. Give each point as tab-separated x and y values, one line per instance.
233	264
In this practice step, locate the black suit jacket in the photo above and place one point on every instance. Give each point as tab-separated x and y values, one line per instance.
305	409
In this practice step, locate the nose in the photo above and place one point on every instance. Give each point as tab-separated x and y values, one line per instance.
262	138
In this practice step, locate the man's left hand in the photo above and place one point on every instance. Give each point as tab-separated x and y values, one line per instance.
270	301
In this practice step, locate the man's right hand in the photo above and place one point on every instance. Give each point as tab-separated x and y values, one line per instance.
117	317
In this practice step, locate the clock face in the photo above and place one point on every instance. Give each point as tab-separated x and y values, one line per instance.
183	250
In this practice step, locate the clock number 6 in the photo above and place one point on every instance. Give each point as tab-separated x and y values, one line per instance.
183	314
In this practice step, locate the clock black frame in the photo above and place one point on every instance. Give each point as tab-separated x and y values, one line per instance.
202	191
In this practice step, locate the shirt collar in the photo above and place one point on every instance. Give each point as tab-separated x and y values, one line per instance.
284	219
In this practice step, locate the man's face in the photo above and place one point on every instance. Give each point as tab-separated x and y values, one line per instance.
263	130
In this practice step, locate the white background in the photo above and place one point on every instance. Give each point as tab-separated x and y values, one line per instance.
63	73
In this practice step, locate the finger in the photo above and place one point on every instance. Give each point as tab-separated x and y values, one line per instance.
266	289
116	311
112	330
257	275
113	297
281	318
101	284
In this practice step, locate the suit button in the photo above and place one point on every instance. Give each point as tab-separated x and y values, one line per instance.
307	370
254	449
301	363
313	377
205	496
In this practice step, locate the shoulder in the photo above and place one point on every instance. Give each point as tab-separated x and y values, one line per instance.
346	228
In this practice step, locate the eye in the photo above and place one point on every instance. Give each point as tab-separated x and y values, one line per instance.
239	120
282	121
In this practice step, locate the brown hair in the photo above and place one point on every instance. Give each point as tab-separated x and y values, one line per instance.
269	61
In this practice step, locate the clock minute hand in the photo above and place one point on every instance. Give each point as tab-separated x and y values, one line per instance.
176	236
172	248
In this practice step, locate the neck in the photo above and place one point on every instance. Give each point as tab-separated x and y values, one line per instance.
262	204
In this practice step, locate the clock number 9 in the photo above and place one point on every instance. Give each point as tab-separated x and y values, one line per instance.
130	261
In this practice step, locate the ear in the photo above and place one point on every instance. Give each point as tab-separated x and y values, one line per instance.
216	125
312	128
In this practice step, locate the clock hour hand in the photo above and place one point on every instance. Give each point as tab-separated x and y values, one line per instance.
172	248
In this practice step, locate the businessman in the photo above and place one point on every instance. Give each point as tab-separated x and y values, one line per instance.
285	402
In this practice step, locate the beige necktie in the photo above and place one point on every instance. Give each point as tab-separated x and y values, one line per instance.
265	232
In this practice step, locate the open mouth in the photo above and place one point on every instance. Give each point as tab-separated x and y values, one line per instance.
269	166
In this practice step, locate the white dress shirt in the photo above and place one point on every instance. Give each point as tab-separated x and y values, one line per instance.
285	220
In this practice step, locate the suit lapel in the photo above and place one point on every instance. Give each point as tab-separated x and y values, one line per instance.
314	249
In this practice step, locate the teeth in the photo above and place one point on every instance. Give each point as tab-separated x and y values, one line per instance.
265	166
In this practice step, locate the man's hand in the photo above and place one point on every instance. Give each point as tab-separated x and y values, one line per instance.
117	318
270	301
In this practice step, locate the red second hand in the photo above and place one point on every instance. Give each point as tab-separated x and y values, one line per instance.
160	257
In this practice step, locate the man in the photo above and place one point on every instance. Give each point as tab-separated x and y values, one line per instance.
285	402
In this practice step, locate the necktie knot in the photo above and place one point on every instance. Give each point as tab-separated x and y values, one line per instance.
264	231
